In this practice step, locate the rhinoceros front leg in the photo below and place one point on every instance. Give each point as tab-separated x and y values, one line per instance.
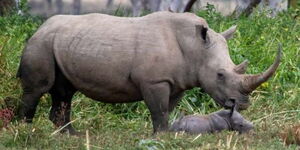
61	94
157	99
174	101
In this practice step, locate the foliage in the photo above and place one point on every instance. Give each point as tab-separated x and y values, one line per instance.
128	126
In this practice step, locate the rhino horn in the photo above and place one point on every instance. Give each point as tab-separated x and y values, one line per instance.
251	82
241	68
228	34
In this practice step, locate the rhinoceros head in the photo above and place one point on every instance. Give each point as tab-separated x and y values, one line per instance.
238	122
219	76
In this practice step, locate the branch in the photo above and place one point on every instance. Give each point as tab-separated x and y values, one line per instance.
252	5
189	5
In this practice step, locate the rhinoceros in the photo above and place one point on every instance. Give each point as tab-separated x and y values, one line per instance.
111	59
218	121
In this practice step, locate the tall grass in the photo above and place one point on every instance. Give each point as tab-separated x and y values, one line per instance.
128	126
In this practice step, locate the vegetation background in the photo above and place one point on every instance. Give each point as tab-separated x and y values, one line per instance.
275	105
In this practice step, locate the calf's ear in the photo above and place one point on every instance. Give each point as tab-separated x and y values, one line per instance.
202	31
228	34
233	108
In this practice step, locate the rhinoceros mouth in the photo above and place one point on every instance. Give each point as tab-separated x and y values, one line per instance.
222	103
242	103
243	106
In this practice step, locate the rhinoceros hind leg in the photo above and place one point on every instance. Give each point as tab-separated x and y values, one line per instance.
36	78
62	93
174	101
157	99
30	100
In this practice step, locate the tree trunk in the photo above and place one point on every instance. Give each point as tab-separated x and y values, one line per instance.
189	5
60	6
76	7
293	3
251	6
6	6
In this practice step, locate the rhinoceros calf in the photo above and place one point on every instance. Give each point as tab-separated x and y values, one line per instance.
215	122
154	58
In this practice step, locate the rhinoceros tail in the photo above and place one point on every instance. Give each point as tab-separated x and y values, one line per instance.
18	75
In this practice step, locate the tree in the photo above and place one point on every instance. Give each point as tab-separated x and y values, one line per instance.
60	6
189	5
293	3
6	6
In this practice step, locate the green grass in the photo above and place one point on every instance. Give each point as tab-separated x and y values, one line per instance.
275	105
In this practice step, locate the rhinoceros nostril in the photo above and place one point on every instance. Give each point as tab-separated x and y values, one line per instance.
232	100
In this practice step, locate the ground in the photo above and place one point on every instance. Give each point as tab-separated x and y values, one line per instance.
275	105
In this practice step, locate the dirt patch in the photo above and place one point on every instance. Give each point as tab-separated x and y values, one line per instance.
7	111
291	135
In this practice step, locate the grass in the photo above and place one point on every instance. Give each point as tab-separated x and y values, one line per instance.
275	105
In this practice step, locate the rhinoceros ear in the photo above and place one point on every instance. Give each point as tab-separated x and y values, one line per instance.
200	29
228	34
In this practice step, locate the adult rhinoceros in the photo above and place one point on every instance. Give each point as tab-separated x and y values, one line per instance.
154	58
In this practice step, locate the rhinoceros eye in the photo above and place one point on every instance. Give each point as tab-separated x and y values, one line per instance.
221	73
221	76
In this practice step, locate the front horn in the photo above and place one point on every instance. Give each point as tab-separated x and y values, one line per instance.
251	82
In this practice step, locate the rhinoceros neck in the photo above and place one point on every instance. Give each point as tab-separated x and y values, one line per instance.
190	77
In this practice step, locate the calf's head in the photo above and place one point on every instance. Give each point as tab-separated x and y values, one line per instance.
217	74
238	122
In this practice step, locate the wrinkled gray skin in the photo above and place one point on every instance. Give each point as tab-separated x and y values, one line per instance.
215	122
154	58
